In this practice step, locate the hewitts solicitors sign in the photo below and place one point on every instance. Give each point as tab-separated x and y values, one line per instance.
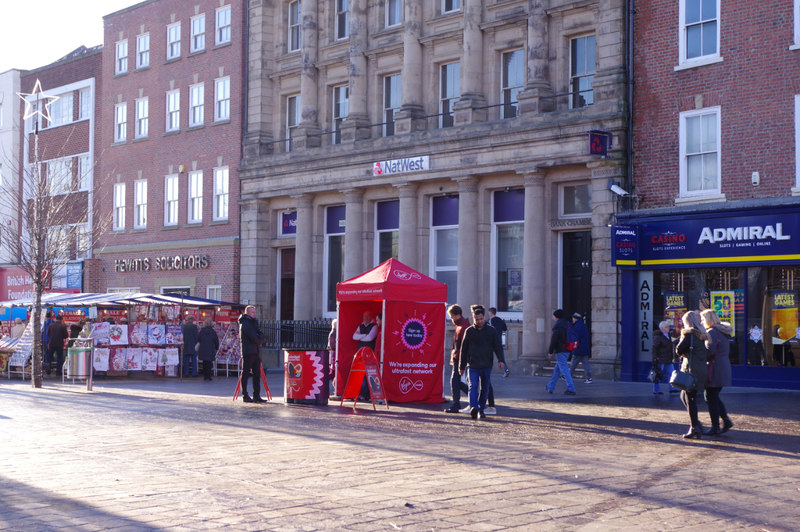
731	240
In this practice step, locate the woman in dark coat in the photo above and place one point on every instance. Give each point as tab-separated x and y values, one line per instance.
720	370
692	345
663	356
207	352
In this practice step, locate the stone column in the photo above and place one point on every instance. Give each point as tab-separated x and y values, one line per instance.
407	118
353	127
537	63
466	110
536	321
467	292
259	117
609	81
254	281
353	233
309	121
407	235
303	263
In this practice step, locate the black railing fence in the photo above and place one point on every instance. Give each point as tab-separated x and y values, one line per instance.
296	334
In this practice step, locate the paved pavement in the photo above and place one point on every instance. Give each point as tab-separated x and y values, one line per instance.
161	454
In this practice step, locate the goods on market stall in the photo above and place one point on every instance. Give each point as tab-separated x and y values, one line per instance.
101	333
133	359
118	334
174	333
149	359
118	362
156	334
138	334
100	358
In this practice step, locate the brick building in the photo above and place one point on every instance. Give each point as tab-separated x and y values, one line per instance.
10	135
67	154
171	140
716	180
450	134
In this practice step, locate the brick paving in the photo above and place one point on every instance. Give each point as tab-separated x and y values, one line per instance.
168	455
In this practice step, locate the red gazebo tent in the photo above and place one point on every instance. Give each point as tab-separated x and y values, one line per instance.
410	344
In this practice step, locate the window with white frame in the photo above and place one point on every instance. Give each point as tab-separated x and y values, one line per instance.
582	69
334	254
82	241
292	118
451	5
59	176
444	243
221	193
222	99
223	30
340	108
508	217
61	110
121	63
796	17
119	206
449	92
391	102
699	27
575	201
342	19
387	229
174	40
173	110
120	122
84	103
195	212
394	12
142	117
197	41
84	172
512	81
196	104
140	204
171	200
34	117
700	152
294	37
143	50
214	291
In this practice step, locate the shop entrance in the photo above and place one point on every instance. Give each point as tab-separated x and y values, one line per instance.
286	260
576	273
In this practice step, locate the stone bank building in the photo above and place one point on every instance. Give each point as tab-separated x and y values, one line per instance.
452	135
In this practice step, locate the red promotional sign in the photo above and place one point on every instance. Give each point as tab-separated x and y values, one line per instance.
364	363
117	314
72	316
305	376
227	315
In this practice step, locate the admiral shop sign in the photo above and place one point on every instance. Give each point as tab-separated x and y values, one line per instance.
400	166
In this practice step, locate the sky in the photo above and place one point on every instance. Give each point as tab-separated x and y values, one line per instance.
34	33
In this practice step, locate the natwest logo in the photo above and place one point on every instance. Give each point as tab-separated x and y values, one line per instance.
400	166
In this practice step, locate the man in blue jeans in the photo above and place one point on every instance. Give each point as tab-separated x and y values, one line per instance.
558	339
478	348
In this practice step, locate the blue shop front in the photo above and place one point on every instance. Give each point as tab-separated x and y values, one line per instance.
743	264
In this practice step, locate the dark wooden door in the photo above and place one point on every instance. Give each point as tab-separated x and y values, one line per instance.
576	274
287	284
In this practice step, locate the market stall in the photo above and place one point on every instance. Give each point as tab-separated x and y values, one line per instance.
410	343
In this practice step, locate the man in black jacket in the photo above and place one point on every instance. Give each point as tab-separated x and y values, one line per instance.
478	348
252	338
558	339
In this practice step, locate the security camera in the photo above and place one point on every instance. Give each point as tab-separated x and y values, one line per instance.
618	190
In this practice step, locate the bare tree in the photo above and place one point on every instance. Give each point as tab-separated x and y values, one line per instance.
57	219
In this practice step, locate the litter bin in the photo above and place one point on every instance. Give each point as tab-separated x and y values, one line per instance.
306	376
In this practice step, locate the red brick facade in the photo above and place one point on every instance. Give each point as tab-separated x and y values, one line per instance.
200	148
754	84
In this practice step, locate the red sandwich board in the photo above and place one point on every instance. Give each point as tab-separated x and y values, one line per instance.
364	363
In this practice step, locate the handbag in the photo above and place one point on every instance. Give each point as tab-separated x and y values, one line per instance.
655	374
683	380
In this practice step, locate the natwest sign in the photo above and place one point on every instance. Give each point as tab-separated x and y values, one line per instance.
401	166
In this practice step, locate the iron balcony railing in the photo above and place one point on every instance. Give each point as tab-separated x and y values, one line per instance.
296	334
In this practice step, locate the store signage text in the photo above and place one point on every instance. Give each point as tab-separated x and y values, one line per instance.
738	234
164	263
645	312
400	166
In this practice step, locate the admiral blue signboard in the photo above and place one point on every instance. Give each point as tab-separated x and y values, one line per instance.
730	240
624	245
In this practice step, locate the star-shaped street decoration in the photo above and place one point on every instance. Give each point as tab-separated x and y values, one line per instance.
37	96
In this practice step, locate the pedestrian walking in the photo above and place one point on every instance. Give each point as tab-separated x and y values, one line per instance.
582	353
664	357
558	340
208	344
457	386
692	350
478	349
719	366
251	338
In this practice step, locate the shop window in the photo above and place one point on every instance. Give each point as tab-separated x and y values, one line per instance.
294	37
582	69
699	152
143	50
342	19
387	225
444	243
575	201
340	108
512	80
334	254
449	92
699	30
508	243
392	94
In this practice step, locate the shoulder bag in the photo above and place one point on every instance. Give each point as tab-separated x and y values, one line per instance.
684	380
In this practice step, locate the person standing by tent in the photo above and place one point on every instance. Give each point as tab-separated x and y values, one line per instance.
208	343
18	328
480	345
365	334
190	339
252	338
456	385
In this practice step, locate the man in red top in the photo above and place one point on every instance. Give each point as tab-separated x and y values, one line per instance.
456	386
